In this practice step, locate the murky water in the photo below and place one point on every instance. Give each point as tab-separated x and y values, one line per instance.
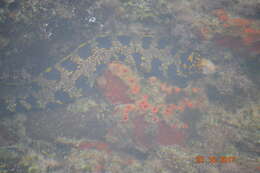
129	86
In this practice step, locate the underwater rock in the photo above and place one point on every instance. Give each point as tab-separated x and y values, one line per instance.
124	39
52	74
104	42
7	137
63	96
207	66
3	42
85	51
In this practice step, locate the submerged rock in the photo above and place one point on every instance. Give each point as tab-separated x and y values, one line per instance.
207	67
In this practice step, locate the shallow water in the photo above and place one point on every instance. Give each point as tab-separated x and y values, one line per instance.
148	86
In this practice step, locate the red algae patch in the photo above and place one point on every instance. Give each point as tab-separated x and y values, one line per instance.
147	97
140	137
85	145
170	136
164	135
242	32
142	109
113	88
239	34
221	14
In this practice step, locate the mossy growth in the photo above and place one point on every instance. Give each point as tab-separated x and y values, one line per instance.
82	105
144	11
34	169
3	171
87	168
7	155
28	160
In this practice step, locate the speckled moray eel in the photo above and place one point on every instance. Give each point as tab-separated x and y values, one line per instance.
74	76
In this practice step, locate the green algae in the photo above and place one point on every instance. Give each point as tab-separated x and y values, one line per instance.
34	169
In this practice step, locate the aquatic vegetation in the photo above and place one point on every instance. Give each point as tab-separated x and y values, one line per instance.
137	101
82	105
238	32
140	10
6	155
76	74
84	145
114	88
34	169
147	107
221	14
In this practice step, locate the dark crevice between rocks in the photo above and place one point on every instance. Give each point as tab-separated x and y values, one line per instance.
231	102
252	69
192	117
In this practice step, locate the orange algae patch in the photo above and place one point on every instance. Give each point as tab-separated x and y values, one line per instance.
246	43
154	110
195	90
113	88
243	36
228	41
187	103
173	106
145	97
152	79
166	88
250	39
135	89
168	110
144	105
119	69
124	69
185	125
142	110
176	90
221	14
223	18
129	107
240	22
251	36
125	117
155	119
93	145
204	33
255	48
251	31
163	86
180	108
131	80
226	25
99	168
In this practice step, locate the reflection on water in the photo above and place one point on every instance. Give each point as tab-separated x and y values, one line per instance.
155	86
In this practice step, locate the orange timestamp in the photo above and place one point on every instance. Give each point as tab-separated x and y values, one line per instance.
215	159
